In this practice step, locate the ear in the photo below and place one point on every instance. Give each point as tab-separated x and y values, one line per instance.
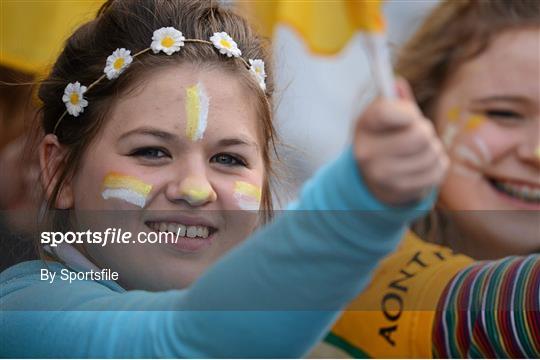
51	158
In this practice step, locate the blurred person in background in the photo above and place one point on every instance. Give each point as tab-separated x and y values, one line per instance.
45	25
474	68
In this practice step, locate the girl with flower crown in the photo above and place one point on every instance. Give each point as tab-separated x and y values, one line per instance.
157	120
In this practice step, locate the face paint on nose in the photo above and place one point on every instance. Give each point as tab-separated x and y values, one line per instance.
248	196
125	187
197	104
451	129
195	192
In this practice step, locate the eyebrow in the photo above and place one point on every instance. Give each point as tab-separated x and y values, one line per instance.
507	98
167	136
149	131
237	141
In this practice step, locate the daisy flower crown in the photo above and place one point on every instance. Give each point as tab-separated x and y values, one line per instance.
168	40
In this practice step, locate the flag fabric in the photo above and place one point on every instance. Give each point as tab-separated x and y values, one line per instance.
323	70
32	32
325	26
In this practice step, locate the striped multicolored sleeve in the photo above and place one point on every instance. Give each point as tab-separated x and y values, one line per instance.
491	309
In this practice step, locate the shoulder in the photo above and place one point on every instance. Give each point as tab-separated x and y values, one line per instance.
393	316
24	274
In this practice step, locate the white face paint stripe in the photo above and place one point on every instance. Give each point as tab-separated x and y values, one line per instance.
247	195
449	134
484	150
127	188
246	203
127	195
467	154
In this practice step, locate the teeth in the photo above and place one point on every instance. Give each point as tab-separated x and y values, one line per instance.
182	230
172	228
523	192
191	231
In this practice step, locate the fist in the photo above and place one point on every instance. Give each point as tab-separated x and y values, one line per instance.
398	151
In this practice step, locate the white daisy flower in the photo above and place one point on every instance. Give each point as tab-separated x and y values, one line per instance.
257	69
167	39
117	63
73	98
225	44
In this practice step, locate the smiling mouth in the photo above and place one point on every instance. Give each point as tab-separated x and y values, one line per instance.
527	193
182	230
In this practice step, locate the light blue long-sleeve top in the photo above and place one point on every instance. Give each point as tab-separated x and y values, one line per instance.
275	295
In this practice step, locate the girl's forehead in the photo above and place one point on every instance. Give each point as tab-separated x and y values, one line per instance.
174	97
173	82
509	66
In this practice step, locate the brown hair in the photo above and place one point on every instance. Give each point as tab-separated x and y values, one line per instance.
130	24
454	33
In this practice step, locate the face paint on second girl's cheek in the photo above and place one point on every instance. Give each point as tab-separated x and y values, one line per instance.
461	138
452	127
126	188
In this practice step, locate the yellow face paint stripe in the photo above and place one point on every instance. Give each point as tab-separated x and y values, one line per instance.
198	194
245	188
453	114
474	122
247	195
197	103
126	188
119	181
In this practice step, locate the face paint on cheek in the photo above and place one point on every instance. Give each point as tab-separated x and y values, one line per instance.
127	188
451	129
248	196
474	122
197	104
537	152
484	150
465	153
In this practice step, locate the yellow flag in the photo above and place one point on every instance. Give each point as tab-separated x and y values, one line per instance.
326	26
32	32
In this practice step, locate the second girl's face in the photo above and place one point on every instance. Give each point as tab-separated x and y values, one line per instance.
489	119
184	149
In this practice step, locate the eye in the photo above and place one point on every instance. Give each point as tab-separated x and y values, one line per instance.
228	160
503	114
150	153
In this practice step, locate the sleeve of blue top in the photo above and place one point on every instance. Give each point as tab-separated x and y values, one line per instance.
273	296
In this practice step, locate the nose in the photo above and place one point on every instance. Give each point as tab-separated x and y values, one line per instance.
195	190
